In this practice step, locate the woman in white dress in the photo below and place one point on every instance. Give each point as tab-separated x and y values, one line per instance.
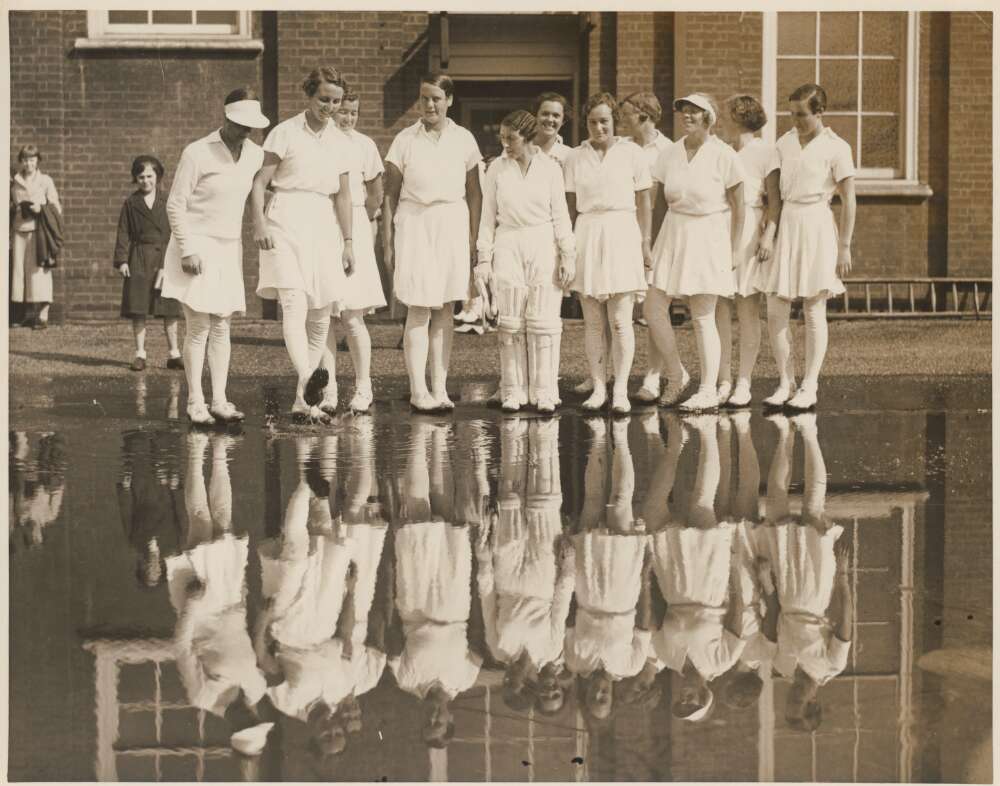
607	190
812	252
806	575
701	179
742	117
527	252
30	283
430	220
304	237
363	293
203	264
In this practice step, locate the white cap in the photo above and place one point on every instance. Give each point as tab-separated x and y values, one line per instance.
251	742
247	113
699	101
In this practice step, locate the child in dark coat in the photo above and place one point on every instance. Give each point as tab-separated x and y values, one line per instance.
143	232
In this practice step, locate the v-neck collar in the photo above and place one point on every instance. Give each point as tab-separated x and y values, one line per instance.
689	161
802	148
217	137
601	159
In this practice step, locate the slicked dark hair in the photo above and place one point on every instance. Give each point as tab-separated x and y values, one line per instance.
815	94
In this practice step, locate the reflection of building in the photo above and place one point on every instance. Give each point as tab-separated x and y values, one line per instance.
908	89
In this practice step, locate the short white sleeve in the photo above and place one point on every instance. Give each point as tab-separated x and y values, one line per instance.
731	168
569	172
838	652
842	164
472	154
659	168
398	149
372	164
640	170
277	140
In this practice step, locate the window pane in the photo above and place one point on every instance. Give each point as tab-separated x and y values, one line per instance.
880	80
840	80
216	18
838	34
792	74
883	33
128	17
880	142
796	34
847	129
171	17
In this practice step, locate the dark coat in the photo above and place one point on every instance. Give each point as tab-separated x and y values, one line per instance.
48	236
143	234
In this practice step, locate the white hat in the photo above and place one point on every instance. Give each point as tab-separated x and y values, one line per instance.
247	113
250	742
699	101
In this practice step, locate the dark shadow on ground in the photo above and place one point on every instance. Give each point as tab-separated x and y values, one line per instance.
80	360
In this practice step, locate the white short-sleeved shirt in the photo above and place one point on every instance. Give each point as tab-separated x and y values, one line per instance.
609	183
811	173
433	170
698	187
436	654
210	190
310	161
809	641
515	200
758	159
366	166
696	632
652	151
559	152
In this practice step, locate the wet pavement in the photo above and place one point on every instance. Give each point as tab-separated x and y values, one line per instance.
488	597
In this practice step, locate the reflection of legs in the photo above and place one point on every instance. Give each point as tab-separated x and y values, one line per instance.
220	489
511	302
780	474
748	478
544	329
622	342
416	480
199	516
619	510
778	314
295	528
724	497
595	477
219	350
814	491
657	307
170	331
594	326
442	482
139	334
195	344
415	348
661	483
706	480
441	335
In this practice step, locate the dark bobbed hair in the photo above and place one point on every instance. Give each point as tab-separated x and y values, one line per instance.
29	151
815	94
523	122
747	112
241	94
321	74
141	162
812	713
743	690
556	98
647	104
608	100
439	80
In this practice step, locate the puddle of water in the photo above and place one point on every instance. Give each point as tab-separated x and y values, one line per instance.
481	597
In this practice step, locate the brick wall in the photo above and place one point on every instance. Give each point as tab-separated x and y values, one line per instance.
91	113
970	150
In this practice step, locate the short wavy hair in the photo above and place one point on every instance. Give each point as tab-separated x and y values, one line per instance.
646	104
322	74
141	162
523	122
814	94
556	98
747	112
29	151
608	100
441	81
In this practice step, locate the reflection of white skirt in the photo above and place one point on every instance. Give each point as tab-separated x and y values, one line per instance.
804	263
692	564
747	268
218	289
433	258
308	251
219	565
525	561
433	572
363	288
608	255
693	255
608	571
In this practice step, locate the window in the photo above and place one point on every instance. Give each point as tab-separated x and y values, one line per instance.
866	61
171	28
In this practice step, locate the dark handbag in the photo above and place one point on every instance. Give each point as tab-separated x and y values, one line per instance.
26	212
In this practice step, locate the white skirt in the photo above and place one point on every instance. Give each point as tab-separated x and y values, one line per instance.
693	255
29	283
692	565
363	288
525	558
747	268
804	263
433	257
218	289
608	571
308	252
433	572
608	255
804	564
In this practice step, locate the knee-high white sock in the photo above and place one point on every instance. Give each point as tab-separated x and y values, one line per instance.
622	339
195	343
657	310
218	357
816	339
707	338
778	315
748	315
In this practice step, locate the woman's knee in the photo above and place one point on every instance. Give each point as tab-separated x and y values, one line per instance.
418	316
219	328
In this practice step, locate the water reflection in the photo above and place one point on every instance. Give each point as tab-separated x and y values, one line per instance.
37	481
495	598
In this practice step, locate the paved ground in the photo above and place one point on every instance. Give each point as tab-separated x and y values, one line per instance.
857	349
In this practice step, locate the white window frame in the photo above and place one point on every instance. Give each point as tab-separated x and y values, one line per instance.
99	28
769	84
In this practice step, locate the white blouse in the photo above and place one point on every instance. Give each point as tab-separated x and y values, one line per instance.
37	188
810	174
698	187
433	169
609	183
436	654
610	641
559	152
696	632
652	151
516	200
758	159
210	190
310	161
366	165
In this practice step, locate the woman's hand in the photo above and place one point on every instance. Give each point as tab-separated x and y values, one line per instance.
566	272
647	254
844	261
765	248
263	239
123	269
348	258
36	208
191	264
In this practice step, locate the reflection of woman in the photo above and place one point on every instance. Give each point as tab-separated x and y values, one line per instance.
526	568
429	226
305	237
526	246
203	267
430	655
808	578
31	282
36	490
207	584
607	185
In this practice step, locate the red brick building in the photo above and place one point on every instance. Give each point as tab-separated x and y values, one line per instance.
911	92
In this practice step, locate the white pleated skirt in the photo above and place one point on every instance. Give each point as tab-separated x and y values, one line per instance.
693	255
747	269
608	571
692	565
804	263
608	255
308	252
218	289
433	257
433	572
363	288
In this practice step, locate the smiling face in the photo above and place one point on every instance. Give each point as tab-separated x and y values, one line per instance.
434	103
29	165
324	103
146	179
803	118
600	124
693	119
347	115
550	119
